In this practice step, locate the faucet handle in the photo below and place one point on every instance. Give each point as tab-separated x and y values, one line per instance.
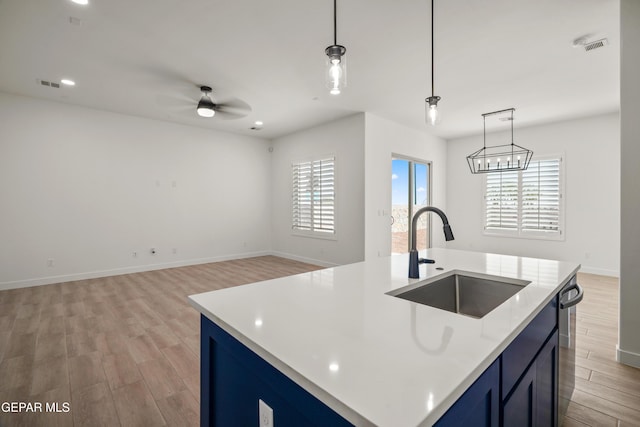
426	261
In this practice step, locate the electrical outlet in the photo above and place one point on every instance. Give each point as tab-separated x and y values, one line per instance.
265	413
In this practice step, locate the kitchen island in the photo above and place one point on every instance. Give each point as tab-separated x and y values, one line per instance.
332	345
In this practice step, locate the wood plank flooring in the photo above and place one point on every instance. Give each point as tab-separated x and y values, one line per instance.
124	350
607	393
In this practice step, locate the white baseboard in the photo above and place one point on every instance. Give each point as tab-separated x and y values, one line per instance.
599	271
628	357
124	270
319	262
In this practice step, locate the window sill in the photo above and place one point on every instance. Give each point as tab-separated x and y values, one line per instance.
314	235
526	236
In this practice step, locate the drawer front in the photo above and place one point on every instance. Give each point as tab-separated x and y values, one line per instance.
521	352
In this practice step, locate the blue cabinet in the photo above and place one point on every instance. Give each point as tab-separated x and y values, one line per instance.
546	408
518	410
479	406
533	401
233	379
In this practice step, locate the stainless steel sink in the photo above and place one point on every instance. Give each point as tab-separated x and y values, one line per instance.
462	292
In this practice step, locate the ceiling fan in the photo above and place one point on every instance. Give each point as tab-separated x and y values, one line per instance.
230	109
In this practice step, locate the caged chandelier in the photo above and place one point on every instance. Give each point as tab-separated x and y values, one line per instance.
336	67
499	158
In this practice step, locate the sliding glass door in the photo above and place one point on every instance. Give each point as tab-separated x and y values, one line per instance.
410	191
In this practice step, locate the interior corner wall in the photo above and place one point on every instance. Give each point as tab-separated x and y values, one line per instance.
383	139
84	189
629	344
591	151
343	138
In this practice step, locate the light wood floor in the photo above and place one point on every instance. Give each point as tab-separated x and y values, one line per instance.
121	350
607	393
124	350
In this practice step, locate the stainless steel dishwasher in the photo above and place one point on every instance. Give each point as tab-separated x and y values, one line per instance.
570	296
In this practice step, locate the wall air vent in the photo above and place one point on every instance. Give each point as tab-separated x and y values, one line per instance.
596	44
49	84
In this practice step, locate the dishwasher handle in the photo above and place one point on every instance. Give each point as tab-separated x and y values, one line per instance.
573	301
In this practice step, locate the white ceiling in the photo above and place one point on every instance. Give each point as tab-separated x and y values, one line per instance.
147	57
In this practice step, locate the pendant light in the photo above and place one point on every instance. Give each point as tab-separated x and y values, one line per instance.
206	108
499	158
336	67
431	103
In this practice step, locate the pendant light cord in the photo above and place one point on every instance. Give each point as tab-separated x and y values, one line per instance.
512	146
432	64
484	139
335	23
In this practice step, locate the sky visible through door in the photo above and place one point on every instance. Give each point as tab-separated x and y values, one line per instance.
409	192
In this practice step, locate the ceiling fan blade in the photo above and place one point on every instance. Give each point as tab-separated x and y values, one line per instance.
232	109
174	101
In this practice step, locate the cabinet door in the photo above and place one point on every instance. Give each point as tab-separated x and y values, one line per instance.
547	383
479	406
519	409
233	378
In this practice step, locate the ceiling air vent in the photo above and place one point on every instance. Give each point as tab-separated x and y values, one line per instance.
596	44
49	84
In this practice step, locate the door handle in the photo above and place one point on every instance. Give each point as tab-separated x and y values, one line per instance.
573	301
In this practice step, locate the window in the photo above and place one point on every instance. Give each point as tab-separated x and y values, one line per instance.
526	203
314	197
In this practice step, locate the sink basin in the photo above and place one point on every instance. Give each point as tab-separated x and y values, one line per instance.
465	293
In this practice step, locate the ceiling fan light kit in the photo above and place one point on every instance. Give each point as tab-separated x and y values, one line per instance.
336	66
499	158
206	108
431	103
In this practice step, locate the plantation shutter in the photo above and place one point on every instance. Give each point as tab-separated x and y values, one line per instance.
541	196
314	195
501	200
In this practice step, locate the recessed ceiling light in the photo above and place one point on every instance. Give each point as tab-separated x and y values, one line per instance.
82	2
258	123
68	82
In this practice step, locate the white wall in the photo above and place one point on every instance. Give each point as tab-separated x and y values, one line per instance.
383	138
591	151
345	139
629	345
87	188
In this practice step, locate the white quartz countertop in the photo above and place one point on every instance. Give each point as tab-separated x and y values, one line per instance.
373	358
